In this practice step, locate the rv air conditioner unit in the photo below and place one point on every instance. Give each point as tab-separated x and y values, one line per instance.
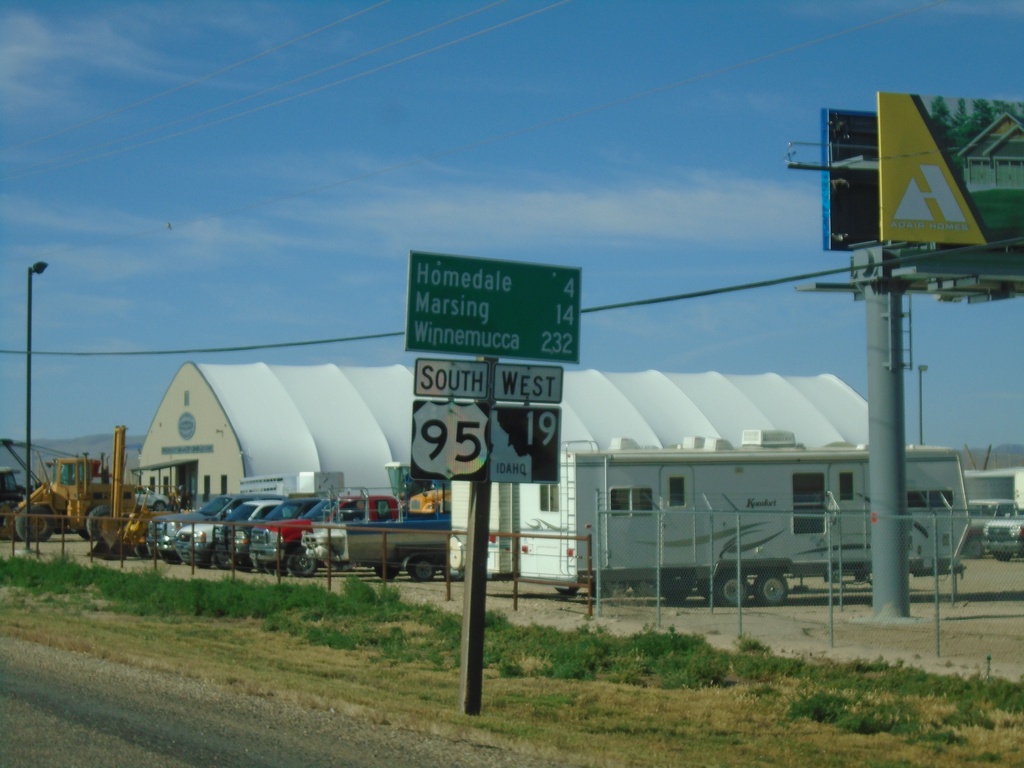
696	443
768	438
623	444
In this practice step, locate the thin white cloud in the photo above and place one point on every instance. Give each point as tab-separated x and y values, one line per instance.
701	208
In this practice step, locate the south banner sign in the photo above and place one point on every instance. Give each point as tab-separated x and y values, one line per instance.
490	308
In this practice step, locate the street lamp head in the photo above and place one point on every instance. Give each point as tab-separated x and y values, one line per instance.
38	267
922	368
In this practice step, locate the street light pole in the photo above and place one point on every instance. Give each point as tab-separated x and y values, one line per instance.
35	269
920	403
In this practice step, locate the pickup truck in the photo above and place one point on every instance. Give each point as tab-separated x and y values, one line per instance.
195	542
1004	537
380	534
163	529
278	538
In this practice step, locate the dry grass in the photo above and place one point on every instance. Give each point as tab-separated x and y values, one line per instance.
583	723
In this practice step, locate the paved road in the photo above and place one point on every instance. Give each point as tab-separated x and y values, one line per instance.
60	708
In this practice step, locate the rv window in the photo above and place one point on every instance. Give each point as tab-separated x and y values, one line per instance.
631	498
929	499
549	498
677	491
846	486
808	502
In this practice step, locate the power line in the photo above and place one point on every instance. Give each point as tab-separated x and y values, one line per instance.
183	86
392	334
57	165
423	159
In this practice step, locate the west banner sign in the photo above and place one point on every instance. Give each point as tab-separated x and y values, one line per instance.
951	171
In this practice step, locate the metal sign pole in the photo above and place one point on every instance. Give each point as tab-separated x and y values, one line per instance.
474	600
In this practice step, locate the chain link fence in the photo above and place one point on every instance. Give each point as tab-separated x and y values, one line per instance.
740	573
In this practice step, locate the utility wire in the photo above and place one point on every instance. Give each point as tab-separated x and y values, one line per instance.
347	339
424	159
899	261
57	164
191	83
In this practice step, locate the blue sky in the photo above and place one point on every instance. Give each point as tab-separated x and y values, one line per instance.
299	151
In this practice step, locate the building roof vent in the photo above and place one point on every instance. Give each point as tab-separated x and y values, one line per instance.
768	438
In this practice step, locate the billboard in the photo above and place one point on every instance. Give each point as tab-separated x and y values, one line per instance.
849	146
951	170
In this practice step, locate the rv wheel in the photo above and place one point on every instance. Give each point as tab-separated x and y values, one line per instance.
727	590
567	591
771	589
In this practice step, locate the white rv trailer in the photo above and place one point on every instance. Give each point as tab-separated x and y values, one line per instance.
796	510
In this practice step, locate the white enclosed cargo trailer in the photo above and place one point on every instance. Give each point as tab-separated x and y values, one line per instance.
296	484
684	516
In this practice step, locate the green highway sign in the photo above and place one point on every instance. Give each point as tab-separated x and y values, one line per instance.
490	308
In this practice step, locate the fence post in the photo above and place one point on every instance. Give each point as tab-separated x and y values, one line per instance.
831	579
741	584
935	572
659	520
602	524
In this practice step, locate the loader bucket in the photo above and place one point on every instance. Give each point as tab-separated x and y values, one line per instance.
107	550
105	534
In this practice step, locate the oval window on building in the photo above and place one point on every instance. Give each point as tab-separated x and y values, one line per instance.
186	425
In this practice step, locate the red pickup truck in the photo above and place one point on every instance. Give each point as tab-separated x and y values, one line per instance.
279	541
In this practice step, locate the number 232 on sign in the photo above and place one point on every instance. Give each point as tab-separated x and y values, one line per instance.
449	440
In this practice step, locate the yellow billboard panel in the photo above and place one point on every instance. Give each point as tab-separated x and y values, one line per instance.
951	171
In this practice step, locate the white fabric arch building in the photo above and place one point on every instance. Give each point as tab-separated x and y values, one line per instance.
219	423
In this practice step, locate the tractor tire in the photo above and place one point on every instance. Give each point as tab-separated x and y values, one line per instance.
37	525
93	523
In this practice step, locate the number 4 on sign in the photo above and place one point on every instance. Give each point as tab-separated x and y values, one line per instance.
449	440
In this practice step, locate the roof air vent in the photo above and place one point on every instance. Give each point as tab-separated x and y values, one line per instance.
768	438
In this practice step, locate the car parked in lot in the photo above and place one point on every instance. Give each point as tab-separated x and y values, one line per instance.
194	541
154	500
164	529
1004	537
278	539
980	513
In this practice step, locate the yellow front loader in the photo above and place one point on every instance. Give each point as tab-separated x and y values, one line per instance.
85	497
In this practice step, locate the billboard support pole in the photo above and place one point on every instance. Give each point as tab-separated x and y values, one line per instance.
890	532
